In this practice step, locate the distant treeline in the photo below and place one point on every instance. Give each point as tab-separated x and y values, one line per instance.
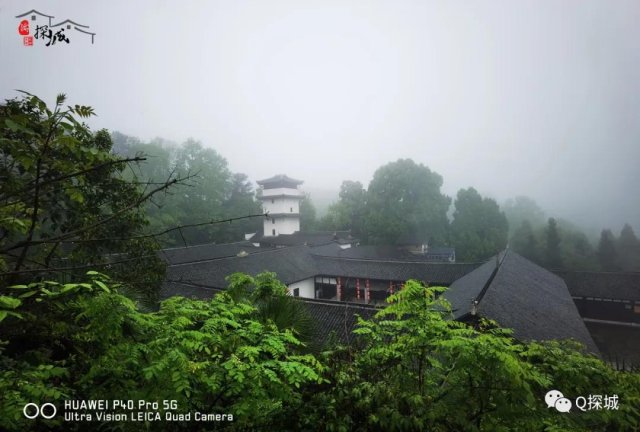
403	204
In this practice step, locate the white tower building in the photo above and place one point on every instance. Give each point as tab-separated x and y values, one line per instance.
280	198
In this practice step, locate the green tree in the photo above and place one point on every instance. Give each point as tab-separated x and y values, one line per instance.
522	208
274	305
404	201
86	341
420	370
553	253
479	229
213	193
607	253
525	242
628	248
308	221
64	206
577	251
205	200
348	212
241	202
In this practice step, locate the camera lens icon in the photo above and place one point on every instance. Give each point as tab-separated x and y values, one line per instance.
47	410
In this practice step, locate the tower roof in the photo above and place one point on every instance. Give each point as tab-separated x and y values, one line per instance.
280	180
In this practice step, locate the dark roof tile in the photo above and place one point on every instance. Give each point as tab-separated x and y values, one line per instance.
290	264
620	286
523	296
430	273
205	252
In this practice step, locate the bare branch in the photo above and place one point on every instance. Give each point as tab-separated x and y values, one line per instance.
29	242
77	267
168	230
31	184
49	269
36	194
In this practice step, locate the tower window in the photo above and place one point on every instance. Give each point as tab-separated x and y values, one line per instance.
273	221
291	209
272	201
273	232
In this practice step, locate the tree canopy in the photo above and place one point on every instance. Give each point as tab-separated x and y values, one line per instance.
213	192
404	202
520	209
64	206
479	229
348	212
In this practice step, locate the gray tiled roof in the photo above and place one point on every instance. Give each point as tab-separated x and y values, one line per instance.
523	296
430	273
279	178
386	253
209	266
206	252
337	319
170	289
518	295
620	286
463	291
290	264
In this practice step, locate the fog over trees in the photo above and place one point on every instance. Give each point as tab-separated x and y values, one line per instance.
504	130
73	201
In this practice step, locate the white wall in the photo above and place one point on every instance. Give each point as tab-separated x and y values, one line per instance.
281	205
283	225
307	288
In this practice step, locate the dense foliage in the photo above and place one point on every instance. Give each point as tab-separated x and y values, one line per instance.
86	341
64	206
417	369
412	368
348	212
558	245
212	193
405	205
479	229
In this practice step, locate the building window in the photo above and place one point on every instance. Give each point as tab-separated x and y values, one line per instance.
33	17
273	232
296	292
636	309
291	209
273	221
272	201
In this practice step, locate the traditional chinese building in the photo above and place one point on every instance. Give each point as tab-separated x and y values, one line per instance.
280	199
336	279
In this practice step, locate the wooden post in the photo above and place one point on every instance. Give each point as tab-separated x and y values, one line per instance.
391	287
358	289
339	289
367	292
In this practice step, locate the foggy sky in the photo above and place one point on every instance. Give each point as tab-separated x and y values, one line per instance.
540	98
